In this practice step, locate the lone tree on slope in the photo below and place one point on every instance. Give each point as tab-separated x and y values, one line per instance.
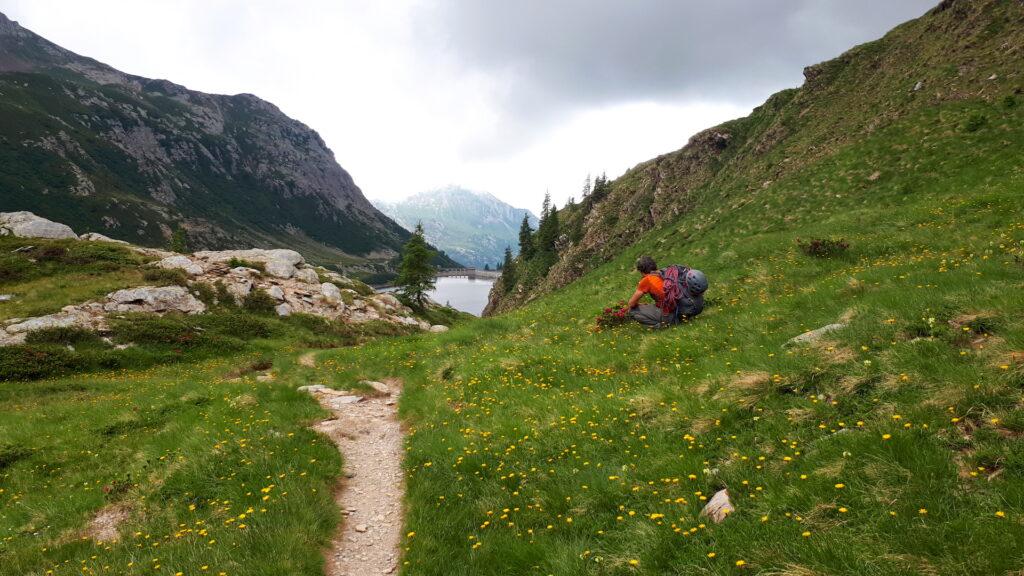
416	274
508	271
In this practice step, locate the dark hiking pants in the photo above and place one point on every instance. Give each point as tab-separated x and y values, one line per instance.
652	316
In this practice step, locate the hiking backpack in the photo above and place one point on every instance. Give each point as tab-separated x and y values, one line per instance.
684	291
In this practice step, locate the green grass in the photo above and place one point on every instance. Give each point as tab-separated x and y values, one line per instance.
537	446
184	437
50	274
186	451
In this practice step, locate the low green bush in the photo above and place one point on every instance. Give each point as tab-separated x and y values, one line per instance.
240	263
823	247
259	302
32	362
236	324
67	336
166	277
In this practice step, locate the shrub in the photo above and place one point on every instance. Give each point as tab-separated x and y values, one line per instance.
259	302
613	315
240	263
32	362
14	268
1009	101
50	254
974	122
237	324
65	336
150	329
10	453
823	247
166	277
224	298
206	293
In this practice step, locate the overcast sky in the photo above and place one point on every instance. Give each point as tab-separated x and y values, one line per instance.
510	97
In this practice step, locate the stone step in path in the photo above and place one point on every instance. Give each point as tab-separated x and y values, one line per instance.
367	432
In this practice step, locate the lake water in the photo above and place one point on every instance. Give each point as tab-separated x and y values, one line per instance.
468	295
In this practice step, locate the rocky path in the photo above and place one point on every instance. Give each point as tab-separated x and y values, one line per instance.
367	431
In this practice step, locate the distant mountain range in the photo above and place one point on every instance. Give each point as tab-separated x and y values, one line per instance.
471	227
136	159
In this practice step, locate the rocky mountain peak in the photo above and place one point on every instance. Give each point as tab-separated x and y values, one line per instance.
140	158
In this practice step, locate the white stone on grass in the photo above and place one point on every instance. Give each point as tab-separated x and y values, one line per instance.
719	507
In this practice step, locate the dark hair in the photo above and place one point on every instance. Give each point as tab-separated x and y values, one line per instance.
646	264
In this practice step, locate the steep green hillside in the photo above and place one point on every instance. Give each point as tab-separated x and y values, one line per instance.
893	446
949	79
135	159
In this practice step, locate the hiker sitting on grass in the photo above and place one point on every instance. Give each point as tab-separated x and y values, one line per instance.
677	292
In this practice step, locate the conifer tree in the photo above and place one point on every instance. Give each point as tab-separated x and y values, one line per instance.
508	271
526	239
547	232
416	273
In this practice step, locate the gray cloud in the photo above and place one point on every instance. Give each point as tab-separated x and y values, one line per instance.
554	57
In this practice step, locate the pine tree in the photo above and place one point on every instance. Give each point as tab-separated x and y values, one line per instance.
586	186
526	248
416	273
487	267
508	271
547	232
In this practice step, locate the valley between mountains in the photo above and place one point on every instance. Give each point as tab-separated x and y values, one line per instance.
850	401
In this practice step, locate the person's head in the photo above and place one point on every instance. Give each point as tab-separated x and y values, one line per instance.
646	265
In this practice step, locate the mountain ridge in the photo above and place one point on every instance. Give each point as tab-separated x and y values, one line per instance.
137	158
473	227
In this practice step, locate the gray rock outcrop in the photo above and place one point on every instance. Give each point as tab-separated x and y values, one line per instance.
28	225
154	299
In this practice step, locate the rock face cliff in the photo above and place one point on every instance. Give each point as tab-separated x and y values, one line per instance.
961	61
90	146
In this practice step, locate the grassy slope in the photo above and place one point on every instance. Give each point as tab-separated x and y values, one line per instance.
170	436
187	451
539	447
966	56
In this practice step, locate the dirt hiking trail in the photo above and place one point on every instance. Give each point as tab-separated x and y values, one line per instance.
369	436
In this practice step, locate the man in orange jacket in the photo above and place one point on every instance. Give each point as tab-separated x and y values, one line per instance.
653	315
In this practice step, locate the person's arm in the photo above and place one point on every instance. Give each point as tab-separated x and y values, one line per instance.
635	299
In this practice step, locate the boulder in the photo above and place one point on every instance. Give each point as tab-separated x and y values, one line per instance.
67	318
280	269
28	225
240	289
438	329
6	297
7	339
307	275
408	320
814	335
153	299
254	255
379	387
719	507
180	263
331	292
276	293
283	310
390	300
